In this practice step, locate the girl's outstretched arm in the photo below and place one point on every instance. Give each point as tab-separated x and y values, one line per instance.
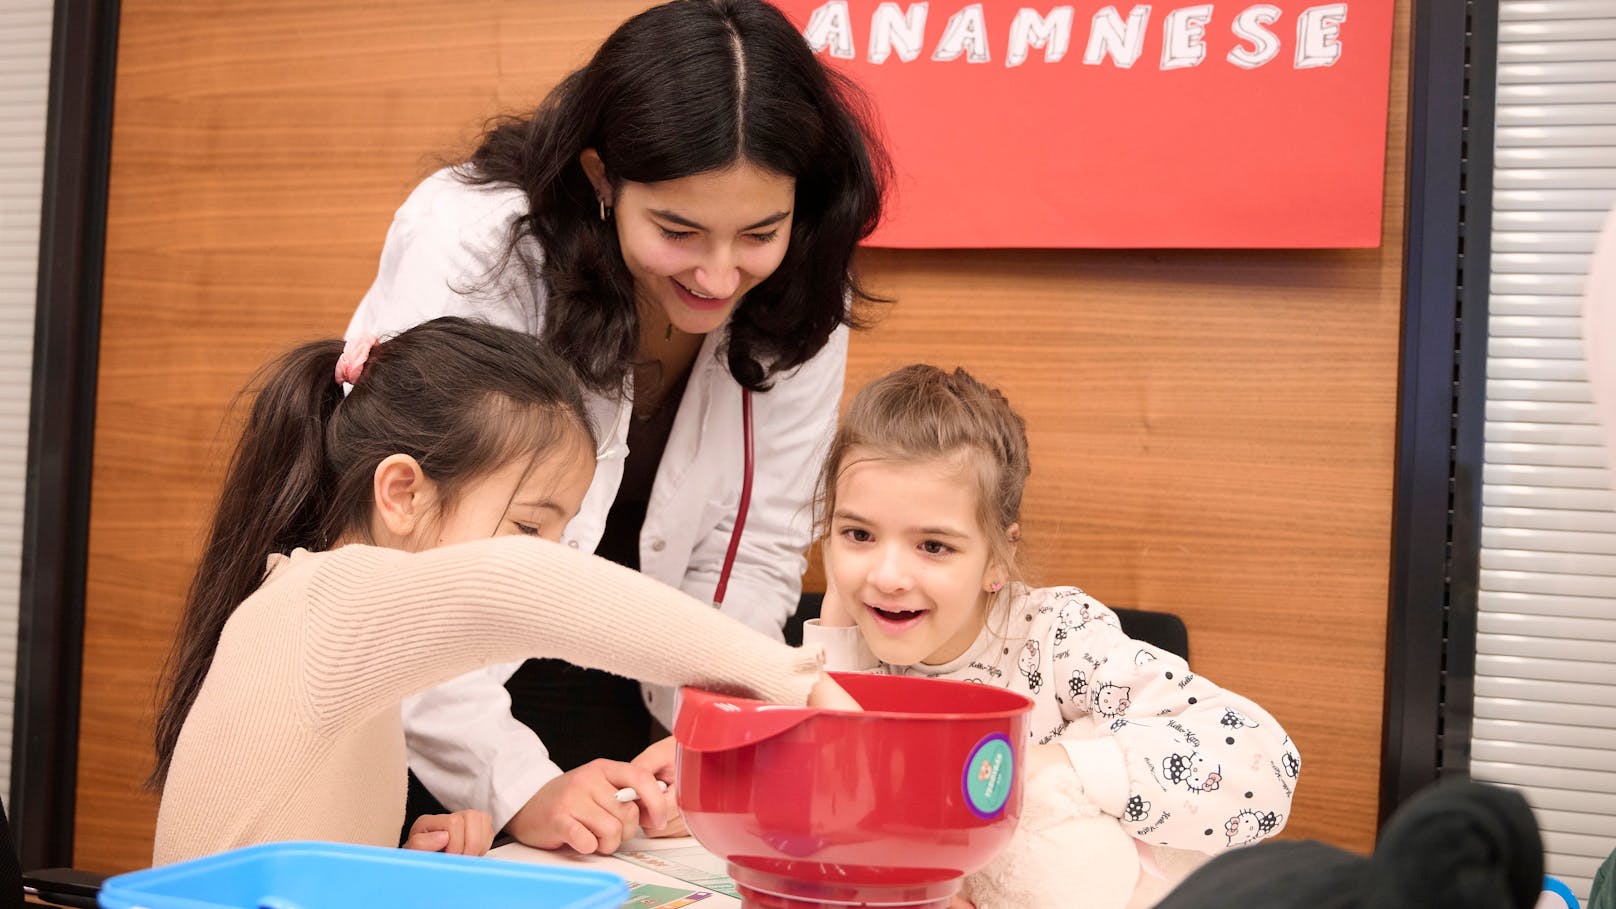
382	624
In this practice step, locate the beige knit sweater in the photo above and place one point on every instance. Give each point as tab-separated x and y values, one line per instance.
296	731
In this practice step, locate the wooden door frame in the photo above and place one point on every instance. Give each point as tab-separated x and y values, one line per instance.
1436	527
61	429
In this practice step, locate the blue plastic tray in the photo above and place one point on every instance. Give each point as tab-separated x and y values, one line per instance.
339	876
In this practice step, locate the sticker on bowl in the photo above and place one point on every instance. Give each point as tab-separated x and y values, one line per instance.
987	776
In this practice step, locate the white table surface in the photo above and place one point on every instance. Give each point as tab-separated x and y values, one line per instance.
679	853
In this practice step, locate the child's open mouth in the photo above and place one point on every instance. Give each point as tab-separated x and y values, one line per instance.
894	621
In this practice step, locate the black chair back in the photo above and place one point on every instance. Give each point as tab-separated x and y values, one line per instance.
10	867
1163	629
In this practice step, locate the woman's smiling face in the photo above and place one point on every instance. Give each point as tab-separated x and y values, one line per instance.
697	244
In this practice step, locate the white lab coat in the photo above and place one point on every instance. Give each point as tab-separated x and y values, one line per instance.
441	258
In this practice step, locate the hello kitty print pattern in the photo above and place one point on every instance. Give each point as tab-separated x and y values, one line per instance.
1029	667
1248	827
1194	771
1111	701
1206	769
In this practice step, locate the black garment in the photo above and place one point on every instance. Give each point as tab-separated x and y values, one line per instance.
10	868
1453	845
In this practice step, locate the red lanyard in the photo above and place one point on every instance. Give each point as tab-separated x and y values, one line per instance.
746	499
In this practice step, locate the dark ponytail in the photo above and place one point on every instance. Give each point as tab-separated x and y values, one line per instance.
463	398
285	439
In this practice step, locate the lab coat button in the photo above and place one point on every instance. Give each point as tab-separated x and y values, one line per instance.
658	545
573	543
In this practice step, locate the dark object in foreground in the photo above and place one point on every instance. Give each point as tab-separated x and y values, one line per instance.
1454	845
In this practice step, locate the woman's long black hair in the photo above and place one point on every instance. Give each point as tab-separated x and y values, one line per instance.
684	88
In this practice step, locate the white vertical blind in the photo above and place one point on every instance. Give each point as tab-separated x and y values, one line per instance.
25	40
1545	707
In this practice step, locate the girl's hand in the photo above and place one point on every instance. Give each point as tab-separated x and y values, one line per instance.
580	809
675	825
832	614
659	760
468	832
828	695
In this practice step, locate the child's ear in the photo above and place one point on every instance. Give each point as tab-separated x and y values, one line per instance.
403	497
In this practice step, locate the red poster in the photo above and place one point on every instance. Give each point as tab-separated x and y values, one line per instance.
1234	124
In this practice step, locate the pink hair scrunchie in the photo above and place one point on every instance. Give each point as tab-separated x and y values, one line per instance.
354	355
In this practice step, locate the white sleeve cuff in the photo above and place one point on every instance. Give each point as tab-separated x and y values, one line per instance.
1100	764
508	798
845	650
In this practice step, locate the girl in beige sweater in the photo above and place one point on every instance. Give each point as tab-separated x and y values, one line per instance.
409	528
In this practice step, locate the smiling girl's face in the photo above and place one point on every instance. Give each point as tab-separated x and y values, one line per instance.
911	563
697	244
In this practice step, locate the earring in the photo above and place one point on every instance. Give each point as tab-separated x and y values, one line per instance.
605	209
997	586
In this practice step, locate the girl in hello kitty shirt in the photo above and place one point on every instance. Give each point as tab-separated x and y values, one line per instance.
1137	767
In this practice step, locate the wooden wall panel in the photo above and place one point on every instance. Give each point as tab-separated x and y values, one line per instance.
1212	431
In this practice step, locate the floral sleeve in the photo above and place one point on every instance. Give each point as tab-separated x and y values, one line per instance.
1207	769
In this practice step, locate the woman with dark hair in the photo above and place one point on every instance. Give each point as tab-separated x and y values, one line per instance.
677	220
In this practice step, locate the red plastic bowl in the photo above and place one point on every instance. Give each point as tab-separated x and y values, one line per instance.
890	807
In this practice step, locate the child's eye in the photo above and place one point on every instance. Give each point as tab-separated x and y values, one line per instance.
676	234
765	238
857	535
527	530
933	547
